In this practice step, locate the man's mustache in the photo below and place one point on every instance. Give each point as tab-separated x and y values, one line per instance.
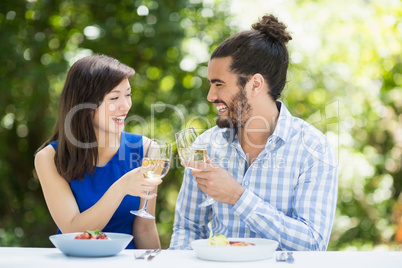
219	101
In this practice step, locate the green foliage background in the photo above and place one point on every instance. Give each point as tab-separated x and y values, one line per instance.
345	79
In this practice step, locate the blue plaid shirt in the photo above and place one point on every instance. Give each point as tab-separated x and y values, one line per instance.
290	189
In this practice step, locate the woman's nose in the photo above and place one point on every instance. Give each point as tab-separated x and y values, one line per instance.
125	104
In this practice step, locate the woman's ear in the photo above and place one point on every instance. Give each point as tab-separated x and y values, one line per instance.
258	84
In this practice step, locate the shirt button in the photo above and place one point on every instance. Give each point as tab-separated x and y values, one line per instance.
246	183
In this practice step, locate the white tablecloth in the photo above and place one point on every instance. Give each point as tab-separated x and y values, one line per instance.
52	257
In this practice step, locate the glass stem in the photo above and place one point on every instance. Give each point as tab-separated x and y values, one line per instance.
144	207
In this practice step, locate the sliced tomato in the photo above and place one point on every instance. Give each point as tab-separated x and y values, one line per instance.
92	235
240	243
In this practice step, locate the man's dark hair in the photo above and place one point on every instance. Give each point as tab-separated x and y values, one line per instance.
260	50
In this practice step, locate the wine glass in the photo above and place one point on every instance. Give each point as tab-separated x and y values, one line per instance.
158	153
188	150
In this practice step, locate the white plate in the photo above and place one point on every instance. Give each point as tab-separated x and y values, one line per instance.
262	249
90	248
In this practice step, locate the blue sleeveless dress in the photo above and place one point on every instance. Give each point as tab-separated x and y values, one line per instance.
91	189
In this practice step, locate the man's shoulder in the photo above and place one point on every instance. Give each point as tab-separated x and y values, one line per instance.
308	132
294	129
314	142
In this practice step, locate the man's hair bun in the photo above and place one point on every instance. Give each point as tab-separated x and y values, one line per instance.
273	29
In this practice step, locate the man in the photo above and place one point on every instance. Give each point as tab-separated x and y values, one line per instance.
272	175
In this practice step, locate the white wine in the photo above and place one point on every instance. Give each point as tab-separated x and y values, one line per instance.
189	154
161	167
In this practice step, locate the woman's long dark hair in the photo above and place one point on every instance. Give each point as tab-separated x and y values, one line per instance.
87	82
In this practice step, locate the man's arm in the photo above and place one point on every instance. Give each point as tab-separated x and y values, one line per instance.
314	203
191	221
307	227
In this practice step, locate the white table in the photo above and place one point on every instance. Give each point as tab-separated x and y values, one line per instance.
52	257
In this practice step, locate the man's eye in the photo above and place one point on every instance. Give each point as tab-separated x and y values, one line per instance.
218	85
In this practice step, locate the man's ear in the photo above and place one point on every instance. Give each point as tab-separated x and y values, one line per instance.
258	84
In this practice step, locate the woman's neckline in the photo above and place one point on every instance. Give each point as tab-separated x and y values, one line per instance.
114	156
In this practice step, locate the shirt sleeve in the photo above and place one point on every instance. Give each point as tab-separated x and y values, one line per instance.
191	221
314	203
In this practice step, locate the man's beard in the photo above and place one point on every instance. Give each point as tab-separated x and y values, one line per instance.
239	110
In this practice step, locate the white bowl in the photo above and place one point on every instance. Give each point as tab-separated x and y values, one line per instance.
262	249
91	248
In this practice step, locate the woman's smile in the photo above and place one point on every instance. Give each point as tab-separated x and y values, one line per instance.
119	119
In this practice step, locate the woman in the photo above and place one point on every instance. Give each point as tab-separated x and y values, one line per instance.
90	169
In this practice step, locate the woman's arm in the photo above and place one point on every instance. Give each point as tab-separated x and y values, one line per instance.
63	206
144	230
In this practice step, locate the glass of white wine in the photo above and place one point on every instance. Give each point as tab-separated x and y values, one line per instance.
157	153
189	150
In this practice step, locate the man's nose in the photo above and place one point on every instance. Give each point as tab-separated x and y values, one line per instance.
212	95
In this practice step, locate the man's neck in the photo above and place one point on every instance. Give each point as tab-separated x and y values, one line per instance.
254	135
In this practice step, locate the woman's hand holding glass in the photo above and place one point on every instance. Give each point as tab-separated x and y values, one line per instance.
135	183
156	164
190	151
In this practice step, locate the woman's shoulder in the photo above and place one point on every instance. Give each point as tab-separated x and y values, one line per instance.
132	138
45	155
145	140
131	142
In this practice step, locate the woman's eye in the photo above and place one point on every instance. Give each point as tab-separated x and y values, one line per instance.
115	98
129	95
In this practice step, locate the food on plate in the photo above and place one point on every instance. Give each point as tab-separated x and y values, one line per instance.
91	235
218	240
221	240
240	243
